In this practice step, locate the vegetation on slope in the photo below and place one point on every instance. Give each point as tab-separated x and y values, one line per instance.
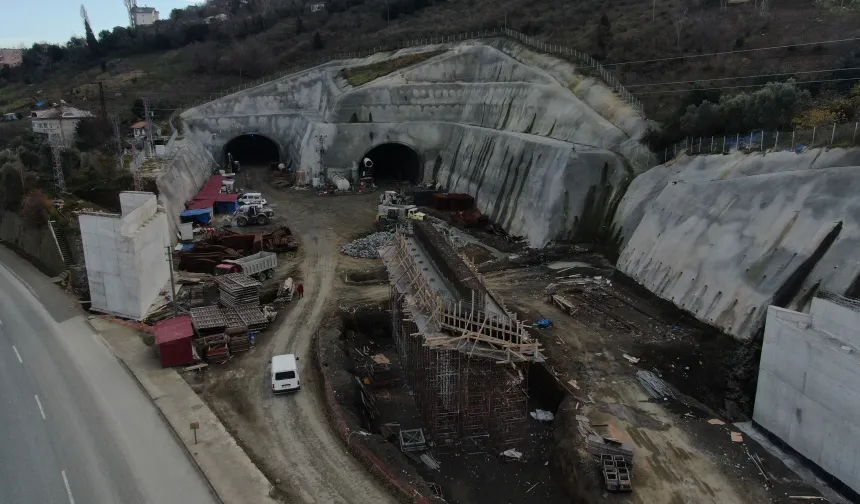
361	75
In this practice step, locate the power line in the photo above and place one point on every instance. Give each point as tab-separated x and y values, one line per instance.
723	53
739	87
628	86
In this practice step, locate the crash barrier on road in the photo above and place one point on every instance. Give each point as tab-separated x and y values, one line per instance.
354	442
588	64
832	135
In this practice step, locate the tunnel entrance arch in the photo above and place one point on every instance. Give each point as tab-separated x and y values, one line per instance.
252	149
390	162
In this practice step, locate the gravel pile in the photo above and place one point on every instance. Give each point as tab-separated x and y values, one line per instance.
366	247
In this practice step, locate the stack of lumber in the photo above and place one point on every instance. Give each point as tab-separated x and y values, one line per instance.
237	289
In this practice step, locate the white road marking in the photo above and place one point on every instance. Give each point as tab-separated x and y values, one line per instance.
40	408
17	354
23	282
68	488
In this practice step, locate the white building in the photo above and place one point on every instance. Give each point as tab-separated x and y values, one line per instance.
11	57
59	123
125	255
144	15
808	392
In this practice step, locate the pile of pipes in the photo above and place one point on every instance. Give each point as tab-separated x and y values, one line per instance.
654	385
237	289
368	246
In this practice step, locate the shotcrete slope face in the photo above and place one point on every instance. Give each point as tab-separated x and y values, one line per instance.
725	236
515	129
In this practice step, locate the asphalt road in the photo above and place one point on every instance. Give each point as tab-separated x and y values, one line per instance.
74	425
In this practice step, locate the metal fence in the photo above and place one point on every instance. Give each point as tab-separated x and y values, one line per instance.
590	65
835	135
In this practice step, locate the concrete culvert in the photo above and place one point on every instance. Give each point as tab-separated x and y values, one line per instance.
252	149
392	162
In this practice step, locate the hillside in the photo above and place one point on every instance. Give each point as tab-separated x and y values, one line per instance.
183	58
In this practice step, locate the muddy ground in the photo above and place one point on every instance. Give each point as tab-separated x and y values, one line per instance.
680	457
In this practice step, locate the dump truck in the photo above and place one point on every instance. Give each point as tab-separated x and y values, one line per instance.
260	265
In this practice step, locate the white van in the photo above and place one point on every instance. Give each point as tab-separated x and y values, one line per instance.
285	373
251	198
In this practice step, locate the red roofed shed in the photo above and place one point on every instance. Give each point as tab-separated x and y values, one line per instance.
173	339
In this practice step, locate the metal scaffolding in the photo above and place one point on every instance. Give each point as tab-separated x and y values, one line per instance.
468	369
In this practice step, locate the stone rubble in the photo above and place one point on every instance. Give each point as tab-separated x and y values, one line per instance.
366	247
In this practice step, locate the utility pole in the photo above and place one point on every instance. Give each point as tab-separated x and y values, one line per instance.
57	145
172	287
59	177
147	113
103	107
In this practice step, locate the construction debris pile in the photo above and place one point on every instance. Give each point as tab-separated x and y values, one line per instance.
615	458
222	331
225	244
367	247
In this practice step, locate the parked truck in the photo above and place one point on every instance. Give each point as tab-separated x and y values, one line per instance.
260	265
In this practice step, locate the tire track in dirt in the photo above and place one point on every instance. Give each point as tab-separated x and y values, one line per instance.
317	467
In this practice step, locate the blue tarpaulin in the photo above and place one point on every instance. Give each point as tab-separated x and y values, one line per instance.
187	246
226	207
201	215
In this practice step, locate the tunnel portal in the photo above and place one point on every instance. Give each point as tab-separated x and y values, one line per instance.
392	162
252	149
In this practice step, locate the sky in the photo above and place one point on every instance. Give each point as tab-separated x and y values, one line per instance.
30	21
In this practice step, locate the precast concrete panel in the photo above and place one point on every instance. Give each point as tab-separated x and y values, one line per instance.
809	389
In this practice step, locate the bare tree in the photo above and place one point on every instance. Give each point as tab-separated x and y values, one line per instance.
679	19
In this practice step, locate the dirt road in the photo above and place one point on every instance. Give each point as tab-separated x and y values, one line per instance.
290	436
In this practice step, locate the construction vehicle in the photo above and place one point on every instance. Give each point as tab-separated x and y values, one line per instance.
254	213
260	265
394	206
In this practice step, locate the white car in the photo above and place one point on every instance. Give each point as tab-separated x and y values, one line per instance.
285	373
251	198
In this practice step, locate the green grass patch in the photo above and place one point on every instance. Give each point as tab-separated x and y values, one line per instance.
358	76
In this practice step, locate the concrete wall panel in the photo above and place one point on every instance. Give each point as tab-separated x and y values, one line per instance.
809	391
125	256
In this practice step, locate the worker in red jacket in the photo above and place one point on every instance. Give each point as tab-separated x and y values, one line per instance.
301	290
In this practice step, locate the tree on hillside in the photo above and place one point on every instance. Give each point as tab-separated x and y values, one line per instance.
299	27
94	133
11	187
318	41
92	42
604	32
769	108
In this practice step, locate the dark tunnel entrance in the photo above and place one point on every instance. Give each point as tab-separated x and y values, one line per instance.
392	161
252	149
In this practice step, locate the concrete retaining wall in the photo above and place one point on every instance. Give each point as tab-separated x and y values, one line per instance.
125	255
186	172
35	244
809	387
725	236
